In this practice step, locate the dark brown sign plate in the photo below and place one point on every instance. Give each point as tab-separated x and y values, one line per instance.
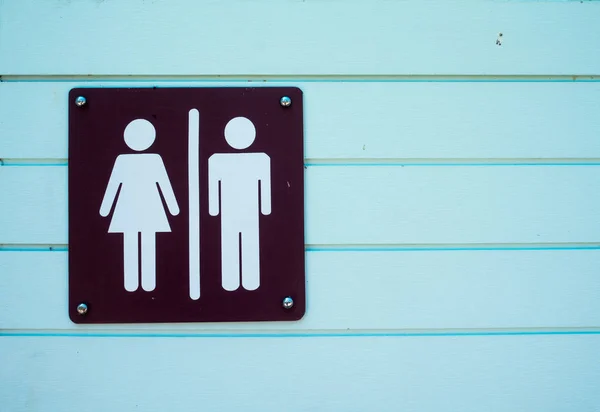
186	205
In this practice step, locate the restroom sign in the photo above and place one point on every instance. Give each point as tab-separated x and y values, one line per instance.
186	205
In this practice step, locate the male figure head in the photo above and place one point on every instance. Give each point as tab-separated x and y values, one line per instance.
240	133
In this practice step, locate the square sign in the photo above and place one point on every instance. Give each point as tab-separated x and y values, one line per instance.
186	205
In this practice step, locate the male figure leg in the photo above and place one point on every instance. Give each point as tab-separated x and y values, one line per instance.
230	257
250	258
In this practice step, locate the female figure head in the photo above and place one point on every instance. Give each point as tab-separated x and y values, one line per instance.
139	134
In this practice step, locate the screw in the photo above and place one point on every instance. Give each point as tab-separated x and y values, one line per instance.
80	101
288	303
285	101
82	309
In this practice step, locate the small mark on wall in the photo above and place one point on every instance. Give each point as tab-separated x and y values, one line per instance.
499	40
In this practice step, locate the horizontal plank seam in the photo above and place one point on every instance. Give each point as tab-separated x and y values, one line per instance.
29	162
349	162
370	162
451	247
301	78
21	247
312	334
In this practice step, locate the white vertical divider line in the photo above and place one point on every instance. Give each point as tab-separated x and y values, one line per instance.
194	199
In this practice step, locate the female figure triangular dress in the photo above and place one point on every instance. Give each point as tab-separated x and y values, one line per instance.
139	208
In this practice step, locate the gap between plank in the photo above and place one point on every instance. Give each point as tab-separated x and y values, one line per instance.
21	247
299	78
331	162
97	333
372	162
450	247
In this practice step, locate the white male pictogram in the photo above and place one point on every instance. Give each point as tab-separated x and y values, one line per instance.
239	187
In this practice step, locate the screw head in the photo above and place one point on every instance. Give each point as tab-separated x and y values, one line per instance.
82	308
285	101
80	101
288	303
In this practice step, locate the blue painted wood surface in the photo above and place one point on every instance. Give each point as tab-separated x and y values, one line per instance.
451	206
272	37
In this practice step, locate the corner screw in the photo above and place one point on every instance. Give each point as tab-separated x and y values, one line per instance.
285	101
80	101
288	303
82	309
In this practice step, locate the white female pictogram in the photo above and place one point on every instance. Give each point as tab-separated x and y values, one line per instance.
139	208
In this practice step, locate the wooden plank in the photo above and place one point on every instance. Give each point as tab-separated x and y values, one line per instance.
34	122
357	291
186	37
372	120
421	374
445	204
374	205
33	204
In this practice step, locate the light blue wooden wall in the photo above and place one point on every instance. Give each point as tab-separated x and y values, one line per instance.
452	207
